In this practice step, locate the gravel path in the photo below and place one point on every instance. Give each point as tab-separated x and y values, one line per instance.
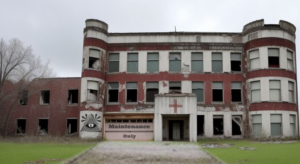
141	152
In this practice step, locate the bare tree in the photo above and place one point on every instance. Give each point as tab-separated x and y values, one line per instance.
18	69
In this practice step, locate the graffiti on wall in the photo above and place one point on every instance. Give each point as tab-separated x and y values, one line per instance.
92	123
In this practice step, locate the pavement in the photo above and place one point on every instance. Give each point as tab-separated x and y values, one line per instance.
144	152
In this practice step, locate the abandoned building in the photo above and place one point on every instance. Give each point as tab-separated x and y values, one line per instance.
172	86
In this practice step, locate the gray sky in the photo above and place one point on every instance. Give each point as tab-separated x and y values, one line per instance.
54	28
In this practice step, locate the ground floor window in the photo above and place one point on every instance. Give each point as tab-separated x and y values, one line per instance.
21	126
200	125
218	124
236	124
276	125
293	125
72	125
257	125
43	127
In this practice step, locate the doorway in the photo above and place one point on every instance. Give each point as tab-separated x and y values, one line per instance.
176	130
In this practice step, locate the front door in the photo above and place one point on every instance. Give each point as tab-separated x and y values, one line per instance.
176	131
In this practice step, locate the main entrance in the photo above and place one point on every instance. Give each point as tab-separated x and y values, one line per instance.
175	127
175	130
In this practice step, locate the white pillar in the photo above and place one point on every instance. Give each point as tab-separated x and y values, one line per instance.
158	127
193	127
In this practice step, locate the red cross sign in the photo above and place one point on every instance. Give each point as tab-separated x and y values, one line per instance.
175	105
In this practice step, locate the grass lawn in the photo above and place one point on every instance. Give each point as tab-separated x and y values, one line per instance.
285	153
11	153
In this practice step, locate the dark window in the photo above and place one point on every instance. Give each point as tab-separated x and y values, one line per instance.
73	96
125	120
131	92
175	87
24	97
71	126
45	97
152	90
150	120
113	65
21	126
236	91
43	127
235	62
113	92
218	125
236	125
217	91
273	54
200	125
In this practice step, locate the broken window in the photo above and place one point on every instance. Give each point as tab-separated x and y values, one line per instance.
254	59
235	62
113	65
43	127
113	92
290	60
217	62
236	125
175	87
198	90
218	125
276	124
200	125
255	91
21	126
275	90
236	92
71	125
217	92
132	62
92	90
45	97
197	61
24	97
94	56
152	62
273	56
257	125
131	89
291	92
152	90
293	125
175	62
73	96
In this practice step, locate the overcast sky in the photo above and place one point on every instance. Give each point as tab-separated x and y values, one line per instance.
54	28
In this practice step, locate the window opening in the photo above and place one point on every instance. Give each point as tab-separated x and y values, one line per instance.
254	59
71	126
273	57
21	126
174	87
293	125
152	90
113	65
197	89
94	61
255	91
73	96
197	61
131	92
200	125
291	92
218	125
236	124
24	97
290	60
175	62
257	125
43	127
217	63
236	92
217	94
276	124
236	62
45	97
132	62
152	62
275	90
113	92
92	87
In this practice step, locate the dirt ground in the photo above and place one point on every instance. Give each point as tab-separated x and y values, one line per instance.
137	152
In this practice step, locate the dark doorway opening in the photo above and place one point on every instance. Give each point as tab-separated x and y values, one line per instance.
218	125
43	126
176	131
200	125
236	125
21	126
71	126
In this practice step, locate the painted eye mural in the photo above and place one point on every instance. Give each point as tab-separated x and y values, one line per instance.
91	123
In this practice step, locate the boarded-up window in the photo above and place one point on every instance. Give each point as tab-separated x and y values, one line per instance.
275	90
131	89
290	60
257	125
235	62
113	65
236	91
291	92
254	59
94	56
217	62
132	62
255	91
175	87
152	62
293	125
276	124
175	62
197	61
24	97
152	90
198	89
273	56
92	90
217	92
113	92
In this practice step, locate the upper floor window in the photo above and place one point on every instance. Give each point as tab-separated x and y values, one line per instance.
152	90
113	65
113	92
132	92
45	97
24	97
92	90
94	56
235	61
175	62
290	60
73	96
198	90
273	56
197	61
152	62
217	62
236	92
175	87
291	92
275	90
217	92
254	59
255	91
132	62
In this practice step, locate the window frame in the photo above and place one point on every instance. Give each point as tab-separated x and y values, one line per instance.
212	61
151	88
212	88
290	60
153	60
291	90
253	58
281	130
197	60
135	60
278	89
42	98
88	89
255	90
109	62
269	48
175	82
94	49
241	91
108	89
137	93
201	89
180	65
235	53
252	119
